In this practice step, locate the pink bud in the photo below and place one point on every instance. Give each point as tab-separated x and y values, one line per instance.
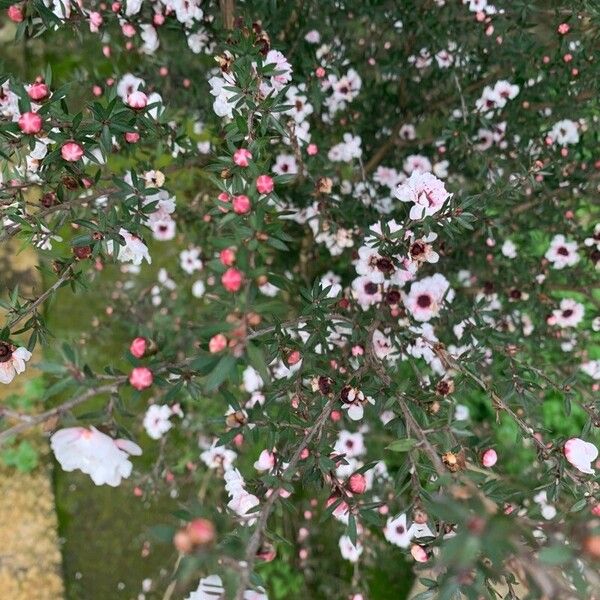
30	123
596	510
357	483
232	279
227	256
137	100
132	137
335	416
294	357
15	13
38	91
158	19
489	458
241	204
128	30
241	157
115	7
312	149
106	51
141	378
563	28
97	90
304	454
320	72
264	184
71	151
138	347
217	343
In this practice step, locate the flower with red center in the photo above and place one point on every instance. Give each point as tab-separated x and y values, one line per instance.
137	100
12	361
241	157
38	91
264	184
71	151
141	378
232	279
30	123
426	296
138	347
241	204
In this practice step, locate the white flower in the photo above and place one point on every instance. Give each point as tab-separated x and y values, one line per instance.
252	380
348	550
266	461
198	289
426	296
426	191
562	253
592	368
350	444
569	314
509	249
217	457
282	67
134	250
396	531
12	361
581	454
156	420
209	588
190	260
285	164
105	460
564	132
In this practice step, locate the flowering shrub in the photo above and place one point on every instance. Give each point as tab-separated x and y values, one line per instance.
350	252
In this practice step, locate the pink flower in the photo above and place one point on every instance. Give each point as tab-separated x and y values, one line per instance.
241	204
71	151
30	123
217	343
265	462
241	157
96	21
489	458
232	279
137	100
38	91
12	361
264	184
138	347
141	378
426	191
581	454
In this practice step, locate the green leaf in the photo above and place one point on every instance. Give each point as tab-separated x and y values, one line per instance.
401	445
220	372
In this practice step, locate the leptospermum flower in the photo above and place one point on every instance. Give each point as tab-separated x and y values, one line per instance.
242	157
94	453
425	298
581	454
489	458
71	151
141	378
134	250
266	461
156	420
30	123
426	191
569	314
12	361
398	533
38	91
353	401
562	253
